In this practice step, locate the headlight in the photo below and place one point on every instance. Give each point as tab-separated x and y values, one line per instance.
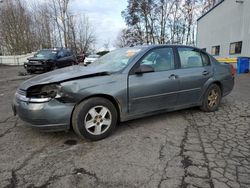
44	92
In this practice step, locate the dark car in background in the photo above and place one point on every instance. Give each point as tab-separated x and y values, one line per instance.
50	59
124	84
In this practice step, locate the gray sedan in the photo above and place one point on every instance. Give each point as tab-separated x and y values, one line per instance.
124	84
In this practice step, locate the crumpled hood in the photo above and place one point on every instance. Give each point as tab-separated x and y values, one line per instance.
63	74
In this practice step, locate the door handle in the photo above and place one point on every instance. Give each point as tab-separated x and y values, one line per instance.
205	73
173	77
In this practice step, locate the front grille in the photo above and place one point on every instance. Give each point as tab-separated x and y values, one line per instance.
35	62
21	92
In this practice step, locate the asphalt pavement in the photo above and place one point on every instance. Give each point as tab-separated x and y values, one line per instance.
187	148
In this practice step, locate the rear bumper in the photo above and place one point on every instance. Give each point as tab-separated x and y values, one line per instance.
228	85
48	116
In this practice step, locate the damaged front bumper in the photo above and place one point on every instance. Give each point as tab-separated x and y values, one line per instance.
46	115
36	67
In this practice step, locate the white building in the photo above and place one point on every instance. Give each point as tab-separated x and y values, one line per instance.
224	31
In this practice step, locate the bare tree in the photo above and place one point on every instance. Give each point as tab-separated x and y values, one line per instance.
74	30
27	26
163	21
85	36
15	27
208	4
72	33
43	23
106	45
61	18
127	37
121	40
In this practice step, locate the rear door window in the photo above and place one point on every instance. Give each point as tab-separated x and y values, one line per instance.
190	57
67	53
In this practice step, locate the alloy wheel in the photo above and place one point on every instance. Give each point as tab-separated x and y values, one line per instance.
98	120
213	97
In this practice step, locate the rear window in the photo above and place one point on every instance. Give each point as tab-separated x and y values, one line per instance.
205	59
213	60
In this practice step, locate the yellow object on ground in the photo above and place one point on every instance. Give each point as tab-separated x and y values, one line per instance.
227	60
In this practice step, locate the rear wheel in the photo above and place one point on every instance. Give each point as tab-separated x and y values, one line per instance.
94	118
212	98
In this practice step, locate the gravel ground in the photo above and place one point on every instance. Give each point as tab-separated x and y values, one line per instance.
187	148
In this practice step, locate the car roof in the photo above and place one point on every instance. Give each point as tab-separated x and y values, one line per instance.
164	45
154	46
56	49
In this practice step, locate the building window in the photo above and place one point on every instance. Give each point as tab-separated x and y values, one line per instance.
235	47
215	50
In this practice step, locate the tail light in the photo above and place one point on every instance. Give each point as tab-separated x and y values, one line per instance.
233	71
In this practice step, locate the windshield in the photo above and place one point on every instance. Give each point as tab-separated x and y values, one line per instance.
46	54
116	60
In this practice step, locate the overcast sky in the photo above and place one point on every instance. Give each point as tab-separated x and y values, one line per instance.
105	17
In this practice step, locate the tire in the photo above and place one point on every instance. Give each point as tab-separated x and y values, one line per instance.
30	72
212	98
54	67
87	121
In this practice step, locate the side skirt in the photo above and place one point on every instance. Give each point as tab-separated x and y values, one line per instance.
137	116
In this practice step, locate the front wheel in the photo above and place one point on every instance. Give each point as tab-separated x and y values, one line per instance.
212	98
94	118
30	72
54	67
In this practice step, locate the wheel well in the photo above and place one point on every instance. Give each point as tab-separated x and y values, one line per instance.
108	97
220	85
217	83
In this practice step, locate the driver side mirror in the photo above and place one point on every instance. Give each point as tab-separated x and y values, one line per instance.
144	69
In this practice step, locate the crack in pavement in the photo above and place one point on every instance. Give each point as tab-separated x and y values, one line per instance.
6	119
84	171
162	155
224	136
163	172
48	182
193	123
185	159
13	181
10	129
